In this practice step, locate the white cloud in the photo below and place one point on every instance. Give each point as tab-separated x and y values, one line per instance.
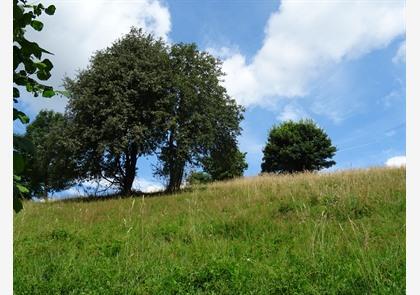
90	187
304	39
147	186
396	161
79	28
224	51
292	112
393	98
399	57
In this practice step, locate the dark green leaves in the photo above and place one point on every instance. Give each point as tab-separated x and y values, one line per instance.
297	146
18	191
16	92
50	10
118	106
49	164
37	25
20	115
48	64
43	75
18	163
22	144
201	113
17	203
27	63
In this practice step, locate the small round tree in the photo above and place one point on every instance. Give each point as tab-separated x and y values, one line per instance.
297	146
50	165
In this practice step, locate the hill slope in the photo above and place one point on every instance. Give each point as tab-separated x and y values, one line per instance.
339	233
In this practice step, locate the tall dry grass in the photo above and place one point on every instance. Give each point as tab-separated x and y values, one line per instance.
309	233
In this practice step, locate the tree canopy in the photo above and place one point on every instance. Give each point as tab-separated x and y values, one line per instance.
225	160
118	108
50	166
297	146
200	112
140	96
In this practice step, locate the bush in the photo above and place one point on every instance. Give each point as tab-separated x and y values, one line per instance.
198	178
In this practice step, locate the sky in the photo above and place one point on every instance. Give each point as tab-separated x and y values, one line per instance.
338	62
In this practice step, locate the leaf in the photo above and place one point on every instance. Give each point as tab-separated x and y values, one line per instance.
48	64
50	10
16	92
38	9
28	48
45	51
22	189
20	80
26	19
43	75
17	57
41	66
20	115
37	25
29	87
17	204
18	163
48	93
30	67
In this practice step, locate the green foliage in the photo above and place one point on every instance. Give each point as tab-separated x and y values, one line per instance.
200	177
27	62
117	108
225	161
297	146
138	97
275	234
201	111
27	55
50	165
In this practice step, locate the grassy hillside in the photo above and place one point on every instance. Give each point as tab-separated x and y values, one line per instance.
341	233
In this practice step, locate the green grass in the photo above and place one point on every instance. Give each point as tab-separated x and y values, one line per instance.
338	233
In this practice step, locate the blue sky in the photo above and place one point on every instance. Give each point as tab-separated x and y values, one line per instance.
341	63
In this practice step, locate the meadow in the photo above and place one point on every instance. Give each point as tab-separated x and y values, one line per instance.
308	233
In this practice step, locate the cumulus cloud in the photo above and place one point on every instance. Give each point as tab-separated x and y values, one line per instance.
292	112
399	57
103	186
396	161
79	28
303	40
147	186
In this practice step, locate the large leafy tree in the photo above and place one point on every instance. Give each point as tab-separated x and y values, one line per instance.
117	108
297	146
50	166
201	111
30	68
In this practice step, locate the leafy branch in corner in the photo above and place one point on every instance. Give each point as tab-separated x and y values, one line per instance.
28	63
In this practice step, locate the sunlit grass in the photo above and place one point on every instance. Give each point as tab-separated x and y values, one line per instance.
337	233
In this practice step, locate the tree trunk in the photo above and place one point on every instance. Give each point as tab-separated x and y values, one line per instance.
175	175
176	165
46	184
130	171
45	193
